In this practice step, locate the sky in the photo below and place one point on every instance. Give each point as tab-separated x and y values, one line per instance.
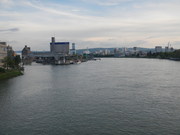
90	23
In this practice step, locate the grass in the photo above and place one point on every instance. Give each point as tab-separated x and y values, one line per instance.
10	74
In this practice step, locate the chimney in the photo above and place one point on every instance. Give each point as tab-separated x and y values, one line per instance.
53	39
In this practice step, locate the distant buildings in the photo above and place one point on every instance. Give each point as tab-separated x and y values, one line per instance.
3	51
135	50
57	54
167	48
60	52
56	49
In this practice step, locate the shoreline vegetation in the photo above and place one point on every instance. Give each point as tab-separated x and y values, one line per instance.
11	67
7	74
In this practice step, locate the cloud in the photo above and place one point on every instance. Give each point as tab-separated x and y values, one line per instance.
6	3
107	2
53	11
138	42
92	23
9	30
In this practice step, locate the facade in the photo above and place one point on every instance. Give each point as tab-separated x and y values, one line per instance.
26	55
59	47
26	51
169	49
3	52
158	49
116	50
106	52
10	51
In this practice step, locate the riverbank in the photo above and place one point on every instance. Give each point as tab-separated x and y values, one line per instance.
10	74
156	55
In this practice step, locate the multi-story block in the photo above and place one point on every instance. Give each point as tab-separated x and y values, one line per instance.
3	52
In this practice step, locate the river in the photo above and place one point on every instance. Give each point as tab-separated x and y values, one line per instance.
113	96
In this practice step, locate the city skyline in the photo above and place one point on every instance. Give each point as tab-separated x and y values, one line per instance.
95	23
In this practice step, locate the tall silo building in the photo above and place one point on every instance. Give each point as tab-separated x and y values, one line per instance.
59	47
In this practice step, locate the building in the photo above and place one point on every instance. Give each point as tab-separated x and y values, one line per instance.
106	52
169	48
3	52
135	49
86	51
116	50
125	51
58	52
10	52
59	47
158	49
26	51
73	50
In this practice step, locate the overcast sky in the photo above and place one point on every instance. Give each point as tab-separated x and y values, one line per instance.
90	23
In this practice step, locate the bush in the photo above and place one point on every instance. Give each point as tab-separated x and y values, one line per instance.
2	70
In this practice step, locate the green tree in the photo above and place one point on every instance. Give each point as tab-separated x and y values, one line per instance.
8	63
17	61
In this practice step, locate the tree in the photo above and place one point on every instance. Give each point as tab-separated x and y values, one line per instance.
12	62
17	61
8	62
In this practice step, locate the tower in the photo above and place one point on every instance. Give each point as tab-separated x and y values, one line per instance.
52	44
53	39
73	49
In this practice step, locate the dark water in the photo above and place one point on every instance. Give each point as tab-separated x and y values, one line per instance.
107	97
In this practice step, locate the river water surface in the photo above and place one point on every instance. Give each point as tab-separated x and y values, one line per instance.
107	97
